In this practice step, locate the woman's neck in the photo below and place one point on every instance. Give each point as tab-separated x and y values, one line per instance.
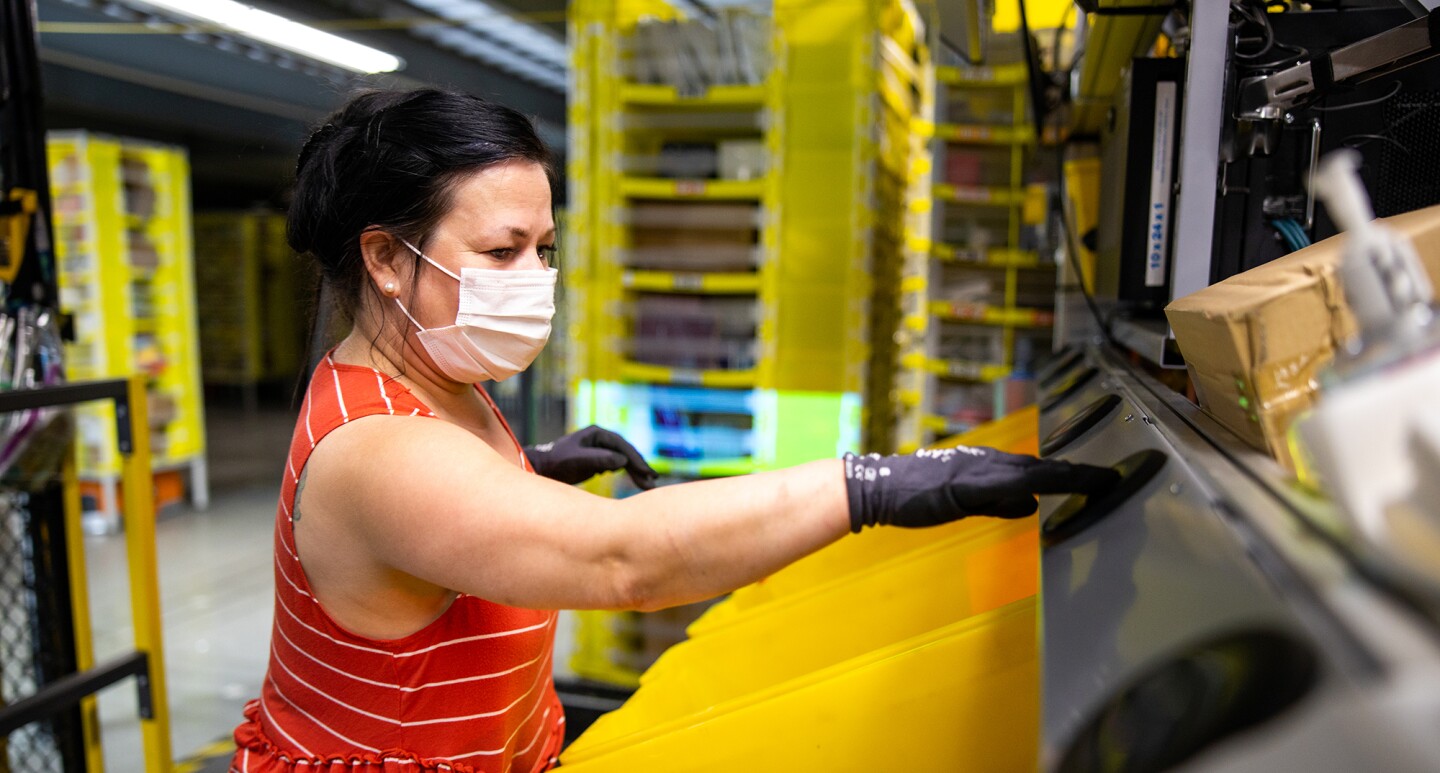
401	358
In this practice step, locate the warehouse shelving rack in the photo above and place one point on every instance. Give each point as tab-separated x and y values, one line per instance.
125	269
999	322
251	289
833	115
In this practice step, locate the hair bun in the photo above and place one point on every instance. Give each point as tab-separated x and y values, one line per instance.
317	138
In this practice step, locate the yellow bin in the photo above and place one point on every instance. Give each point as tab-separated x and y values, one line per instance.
895	650
1016	433
962	697
799	634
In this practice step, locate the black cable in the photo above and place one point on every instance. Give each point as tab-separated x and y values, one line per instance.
1362	104
1368	137
1260	20
1055	44
962	53
1384	136
1071	242
1072	245
1300	53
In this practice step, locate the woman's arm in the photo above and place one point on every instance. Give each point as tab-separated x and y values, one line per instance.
431	500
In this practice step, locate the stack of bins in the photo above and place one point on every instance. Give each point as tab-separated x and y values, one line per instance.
892	650
732	252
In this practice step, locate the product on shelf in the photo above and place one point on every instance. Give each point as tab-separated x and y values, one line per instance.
685	331
694	55
692	237
981	286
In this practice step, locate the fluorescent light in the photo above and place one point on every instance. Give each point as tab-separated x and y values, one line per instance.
486	50
490	24
284	33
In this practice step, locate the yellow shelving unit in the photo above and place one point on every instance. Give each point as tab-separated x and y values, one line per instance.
975	285
125	262
717	283
251	288
723	319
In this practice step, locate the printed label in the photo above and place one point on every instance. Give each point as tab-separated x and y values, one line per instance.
1162	154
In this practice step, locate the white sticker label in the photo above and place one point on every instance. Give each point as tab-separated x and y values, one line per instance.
1162	154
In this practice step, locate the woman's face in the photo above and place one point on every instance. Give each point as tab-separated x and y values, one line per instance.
499	218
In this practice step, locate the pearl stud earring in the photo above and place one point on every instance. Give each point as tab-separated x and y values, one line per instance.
389	288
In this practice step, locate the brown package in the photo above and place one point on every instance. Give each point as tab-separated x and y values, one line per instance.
1256	342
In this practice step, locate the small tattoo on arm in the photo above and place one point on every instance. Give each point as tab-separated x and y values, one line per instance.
299	489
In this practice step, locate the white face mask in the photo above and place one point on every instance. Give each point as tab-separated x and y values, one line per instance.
502	324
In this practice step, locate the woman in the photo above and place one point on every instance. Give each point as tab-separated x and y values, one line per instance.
418	557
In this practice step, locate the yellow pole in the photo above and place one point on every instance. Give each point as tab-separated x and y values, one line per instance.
80	609
139	520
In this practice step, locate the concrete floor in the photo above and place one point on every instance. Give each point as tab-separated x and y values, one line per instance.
216	593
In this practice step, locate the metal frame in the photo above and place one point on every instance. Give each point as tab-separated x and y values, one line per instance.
1200	148
1374	627
146	662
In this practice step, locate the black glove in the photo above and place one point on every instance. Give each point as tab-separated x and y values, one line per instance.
581	455
931	487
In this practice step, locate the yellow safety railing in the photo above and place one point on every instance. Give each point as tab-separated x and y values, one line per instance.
147	661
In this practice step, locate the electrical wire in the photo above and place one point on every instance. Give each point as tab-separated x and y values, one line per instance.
1260	17
1071	240
1385	136
1369	137
962	54
1249	13
1055	70
1301	53
1363	103
1294	236
1301	238
1284	234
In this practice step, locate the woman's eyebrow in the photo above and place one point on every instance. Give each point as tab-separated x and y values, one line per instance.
520	232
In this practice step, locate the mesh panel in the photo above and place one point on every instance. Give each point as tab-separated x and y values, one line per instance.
33	748
1409	166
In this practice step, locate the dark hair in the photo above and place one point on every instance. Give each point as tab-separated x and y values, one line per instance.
390	159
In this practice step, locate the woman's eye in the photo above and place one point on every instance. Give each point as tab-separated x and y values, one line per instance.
547	252
504	253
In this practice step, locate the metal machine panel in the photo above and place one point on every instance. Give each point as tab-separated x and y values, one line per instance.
1209	620
1140	148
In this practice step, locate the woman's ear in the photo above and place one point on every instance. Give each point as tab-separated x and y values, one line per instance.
384	256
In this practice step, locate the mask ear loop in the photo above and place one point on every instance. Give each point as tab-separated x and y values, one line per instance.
406	312
427	259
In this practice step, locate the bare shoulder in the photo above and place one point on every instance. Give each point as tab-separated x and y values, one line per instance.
387	458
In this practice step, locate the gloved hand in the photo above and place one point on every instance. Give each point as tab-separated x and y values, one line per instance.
583	454
929	488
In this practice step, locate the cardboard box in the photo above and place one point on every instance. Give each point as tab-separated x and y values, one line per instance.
1256	342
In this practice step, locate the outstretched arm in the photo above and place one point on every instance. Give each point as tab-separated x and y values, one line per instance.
439	505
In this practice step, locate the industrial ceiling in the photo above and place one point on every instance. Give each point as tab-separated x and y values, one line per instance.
243	108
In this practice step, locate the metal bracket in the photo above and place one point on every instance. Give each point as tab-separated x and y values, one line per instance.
67	691
116	390
1395	49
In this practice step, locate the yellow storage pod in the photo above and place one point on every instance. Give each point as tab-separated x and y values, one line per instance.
978	292
125	269
251	288
733	255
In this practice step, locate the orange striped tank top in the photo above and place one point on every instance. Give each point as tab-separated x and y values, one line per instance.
472	691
